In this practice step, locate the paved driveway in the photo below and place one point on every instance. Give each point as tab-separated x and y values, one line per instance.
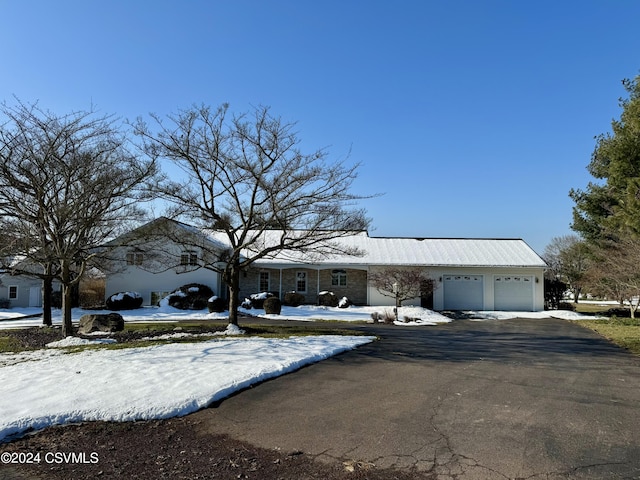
468	400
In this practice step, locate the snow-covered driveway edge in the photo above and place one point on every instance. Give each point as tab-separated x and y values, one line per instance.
146	383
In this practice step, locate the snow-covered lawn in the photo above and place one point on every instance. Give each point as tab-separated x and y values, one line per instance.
48	387
45	387
421	316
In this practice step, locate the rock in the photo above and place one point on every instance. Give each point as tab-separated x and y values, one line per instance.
111	322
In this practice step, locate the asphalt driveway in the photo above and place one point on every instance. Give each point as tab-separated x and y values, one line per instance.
467	400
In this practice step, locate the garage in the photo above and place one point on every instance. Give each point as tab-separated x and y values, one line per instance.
513	292
463	292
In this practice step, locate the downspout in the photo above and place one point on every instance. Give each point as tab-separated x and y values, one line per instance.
280	285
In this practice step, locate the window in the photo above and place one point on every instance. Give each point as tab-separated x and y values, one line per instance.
189	259
134	258
263	282
13	292
301	281
338	278
157	296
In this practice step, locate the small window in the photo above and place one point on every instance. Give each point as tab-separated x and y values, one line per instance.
134	258
339	278
189	259
301	281
263	282
13	292
157	296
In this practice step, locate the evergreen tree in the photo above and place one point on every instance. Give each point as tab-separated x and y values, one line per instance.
612	204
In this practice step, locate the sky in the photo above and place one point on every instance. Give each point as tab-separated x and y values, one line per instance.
473	118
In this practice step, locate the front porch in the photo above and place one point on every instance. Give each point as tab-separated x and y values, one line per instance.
343	282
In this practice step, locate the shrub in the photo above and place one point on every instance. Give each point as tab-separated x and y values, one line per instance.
124	301
293	299
56	299
5	303
385	316
566	306
328	299
344	303
272	305
217	305
257	299
193	296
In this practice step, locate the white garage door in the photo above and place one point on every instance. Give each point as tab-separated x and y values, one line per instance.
513	292
463	292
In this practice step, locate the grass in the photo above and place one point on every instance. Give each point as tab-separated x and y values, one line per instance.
12	342
623	331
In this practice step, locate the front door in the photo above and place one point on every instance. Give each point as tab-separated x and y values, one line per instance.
35	297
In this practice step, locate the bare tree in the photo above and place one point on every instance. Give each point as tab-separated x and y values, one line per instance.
402	283
67	184
615	271
246	177
568	259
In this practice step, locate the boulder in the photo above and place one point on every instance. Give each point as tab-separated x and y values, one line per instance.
99	322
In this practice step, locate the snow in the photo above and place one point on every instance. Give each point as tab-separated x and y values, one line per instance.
307	313
43	388
51	386
76	341
117	297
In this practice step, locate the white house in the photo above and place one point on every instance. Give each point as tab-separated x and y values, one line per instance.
157	258
470	274
22	290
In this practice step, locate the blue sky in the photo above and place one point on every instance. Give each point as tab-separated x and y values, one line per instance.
475	118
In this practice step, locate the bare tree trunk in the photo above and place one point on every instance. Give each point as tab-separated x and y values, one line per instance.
233	284
67	327
47	293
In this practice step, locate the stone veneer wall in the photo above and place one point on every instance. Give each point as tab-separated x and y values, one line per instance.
355	290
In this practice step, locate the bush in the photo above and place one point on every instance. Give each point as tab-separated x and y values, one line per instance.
566	306
193	296
293	299
328	299
385	316
344	303
257	299
217	305
124	301
272	305
56	299
5	303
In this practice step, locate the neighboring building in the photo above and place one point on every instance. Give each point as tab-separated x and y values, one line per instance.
470	274
22	290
